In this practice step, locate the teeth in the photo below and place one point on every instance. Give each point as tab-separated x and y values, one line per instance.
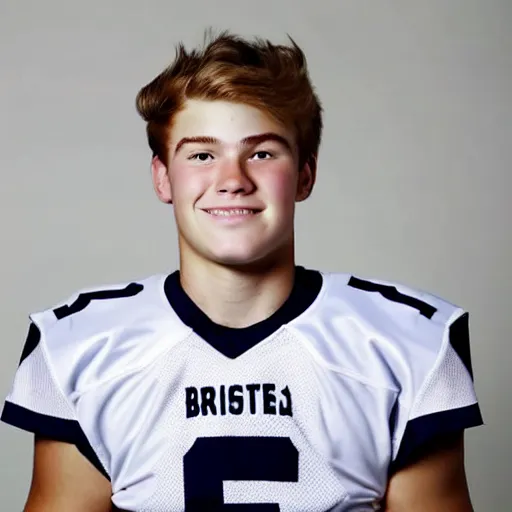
227	213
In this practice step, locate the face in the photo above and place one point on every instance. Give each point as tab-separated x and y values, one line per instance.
233	179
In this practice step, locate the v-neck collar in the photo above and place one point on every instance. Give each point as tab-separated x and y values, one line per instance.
233	342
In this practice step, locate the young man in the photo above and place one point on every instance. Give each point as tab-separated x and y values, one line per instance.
244	382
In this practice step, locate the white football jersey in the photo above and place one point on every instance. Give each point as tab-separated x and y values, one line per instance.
310	410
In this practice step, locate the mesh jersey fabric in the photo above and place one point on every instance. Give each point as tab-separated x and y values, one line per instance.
310	411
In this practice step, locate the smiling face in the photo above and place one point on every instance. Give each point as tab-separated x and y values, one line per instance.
233	179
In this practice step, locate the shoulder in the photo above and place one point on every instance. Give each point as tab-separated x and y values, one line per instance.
385	331
402	312
384	302
92	307
102	331
409	340
74	347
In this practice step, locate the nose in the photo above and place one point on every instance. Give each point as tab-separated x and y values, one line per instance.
233	179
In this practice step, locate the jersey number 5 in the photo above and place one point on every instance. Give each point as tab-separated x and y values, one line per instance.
213	460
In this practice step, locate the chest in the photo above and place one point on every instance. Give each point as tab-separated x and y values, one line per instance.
273	431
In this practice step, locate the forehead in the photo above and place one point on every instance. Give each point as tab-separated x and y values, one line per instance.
228	122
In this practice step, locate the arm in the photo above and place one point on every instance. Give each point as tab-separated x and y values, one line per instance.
427	473
434	481
64	480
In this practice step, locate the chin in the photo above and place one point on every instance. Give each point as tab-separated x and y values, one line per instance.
239	253
237	259
254	258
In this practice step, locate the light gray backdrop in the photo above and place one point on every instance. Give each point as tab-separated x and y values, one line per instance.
414	174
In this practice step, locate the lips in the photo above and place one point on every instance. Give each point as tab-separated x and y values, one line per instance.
232	211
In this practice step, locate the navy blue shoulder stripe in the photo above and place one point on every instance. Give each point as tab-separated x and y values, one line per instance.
459	340
50	427
391	293
84	299
32	341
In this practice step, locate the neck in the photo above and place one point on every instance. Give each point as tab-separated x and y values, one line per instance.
238	297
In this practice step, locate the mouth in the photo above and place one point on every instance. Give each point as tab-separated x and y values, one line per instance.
231	212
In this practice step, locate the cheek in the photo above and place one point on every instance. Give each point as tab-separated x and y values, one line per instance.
282	188
186	185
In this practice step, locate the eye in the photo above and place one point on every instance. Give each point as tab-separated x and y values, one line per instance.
201	157
261	155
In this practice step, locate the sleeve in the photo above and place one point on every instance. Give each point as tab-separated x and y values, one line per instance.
446	403
36	402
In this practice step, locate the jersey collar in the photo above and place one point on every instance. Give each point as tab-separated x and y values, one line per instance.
233	342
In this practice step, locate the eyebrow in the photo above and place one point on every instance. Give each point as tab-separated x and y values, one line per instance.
252	140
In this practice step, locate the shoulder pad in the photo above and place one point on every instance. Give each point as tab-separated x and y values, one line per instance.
378	330
102	332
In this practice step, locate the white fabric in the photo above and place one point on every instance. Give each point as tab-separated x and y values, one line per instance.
122	367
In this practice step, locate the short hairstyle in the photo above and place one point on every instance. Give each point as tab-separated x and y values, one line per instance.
272	78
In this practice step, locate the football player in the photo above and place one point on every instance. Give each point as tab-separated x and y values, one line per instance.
243	381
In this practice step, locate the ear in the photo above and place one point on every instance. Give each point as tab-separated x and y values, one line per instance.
307	178
161	181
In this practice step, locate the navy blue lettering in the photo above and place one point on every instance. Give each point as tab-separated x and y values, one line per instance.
223	400
236	399
208	401
269	399
285	406
252	388
192	402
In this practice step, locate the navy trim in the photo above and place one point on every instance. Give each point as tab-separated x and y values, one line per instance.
392	294
84	299
459	340
51	427
233	342
422	431
33	339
